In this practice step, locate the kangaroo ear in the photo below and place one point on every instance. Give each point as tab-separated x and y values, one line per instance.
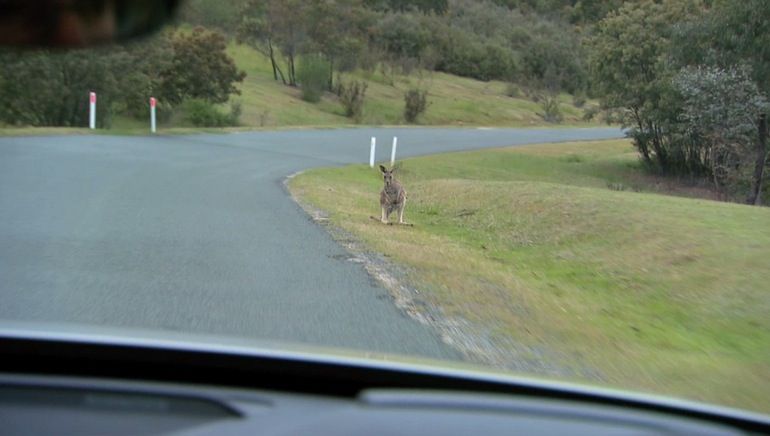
383	169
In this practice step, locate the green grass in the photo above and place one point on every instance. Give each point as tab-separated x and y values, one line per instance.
656	292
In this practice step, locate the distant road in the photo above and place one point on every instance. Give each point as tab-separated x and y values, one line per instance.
197	234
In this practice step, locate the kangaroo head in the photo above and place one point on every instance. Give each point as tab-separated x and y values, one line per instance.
387	175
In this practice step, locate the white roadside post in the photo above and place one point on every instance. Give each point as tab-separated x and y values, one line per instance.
371	152
393	151
152	114
92	110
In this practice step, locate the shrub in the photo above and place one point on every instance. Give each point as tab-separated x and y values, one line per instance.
551	112
590	113
512	90
415	103
204	114
578	100
403	34
236	108
313	77
352	97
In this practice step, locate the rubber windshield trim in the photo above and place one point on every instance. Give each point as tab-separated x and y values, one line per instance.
149	363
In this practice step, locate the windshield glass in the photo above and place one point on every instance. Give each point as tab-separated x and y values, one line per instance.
546	188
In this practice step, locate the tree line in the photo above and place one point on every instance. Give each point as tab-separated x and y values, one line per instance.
479	39
50	88
690	79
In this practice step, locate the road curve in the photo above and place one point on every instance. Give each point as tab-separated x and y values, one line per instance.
197	234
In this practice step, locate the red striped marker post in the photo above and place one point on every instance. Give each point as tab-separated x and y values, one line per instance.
92	110
153	102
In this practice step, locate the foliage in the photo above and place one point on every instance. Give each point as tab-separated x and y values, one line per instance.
734	33
730	33
402	35
415	103
200	68
630	72
51	89
312	75
339	31
42	88
549	103
352	97
214	14
424	6
512	90
295	27
202	113
139	77
591	11
719	117
477	39
553	62
695	121
579	100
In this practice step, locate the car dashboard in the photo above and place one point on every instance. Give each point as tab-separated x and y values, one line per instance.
80	386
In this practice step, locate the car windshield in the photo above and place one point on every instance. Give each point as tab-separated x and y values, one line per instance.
558	189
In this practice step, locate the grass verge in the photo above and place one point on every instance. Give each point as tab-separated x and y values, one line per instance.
571	247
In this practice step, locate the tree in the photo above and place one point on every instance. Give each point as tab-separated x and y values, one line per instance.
590	11
335	29
424	6
256	29
312	77
402	35
338	31
140	66
721	112
200	68
629	65
214	14
733	33
551	63
41	88
278	24
415	103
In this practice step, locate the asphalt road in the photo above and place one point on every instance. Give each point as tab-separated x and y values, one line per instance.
197	234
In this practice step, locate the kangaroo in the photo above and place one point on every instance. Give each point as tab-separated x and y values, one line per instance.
392	197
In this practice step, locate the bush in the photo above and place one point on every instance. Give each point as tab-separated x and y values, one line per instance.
313	77
718	119
236	108
415	103
204	114
512	90
590	113
578	100
551	112
352	98
403	34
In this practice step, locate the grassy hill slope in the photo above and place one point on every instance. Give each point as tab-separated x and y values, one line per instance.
453	100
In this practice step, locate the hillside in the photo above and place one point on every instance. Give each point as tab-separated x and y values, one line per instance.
452	100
